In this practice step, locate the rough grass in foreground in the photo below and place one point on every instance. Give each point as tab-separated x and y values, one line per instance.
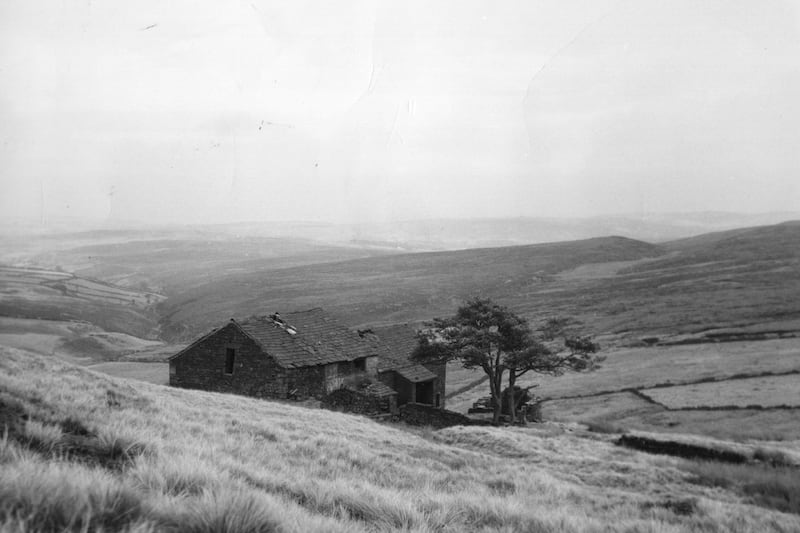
211	462
776	487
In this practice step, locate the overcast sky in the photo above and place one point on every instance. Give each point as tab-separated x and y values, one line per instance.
199	111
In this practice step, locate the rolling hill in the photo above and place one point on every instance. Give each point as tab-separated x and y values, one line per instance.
395	288
742	280
86	452
613	285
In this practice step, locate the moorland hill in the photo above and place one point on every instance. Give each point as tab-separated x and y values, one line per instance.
612	285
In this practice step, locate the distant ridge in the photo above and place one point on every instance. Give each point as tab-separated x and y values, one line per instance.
426	234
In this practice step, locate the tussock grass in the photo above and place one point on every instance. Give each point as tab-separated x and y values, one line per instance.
211	462
61	497
773	457
768	486
225	512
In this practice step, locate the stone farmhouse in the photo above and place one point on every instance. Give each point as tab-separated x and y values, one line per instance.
308	354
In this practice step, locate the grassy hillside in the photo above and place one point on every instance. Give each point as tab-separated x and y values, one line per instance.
83	451
78	341
612	285
172	265
396	288
33	293
747	278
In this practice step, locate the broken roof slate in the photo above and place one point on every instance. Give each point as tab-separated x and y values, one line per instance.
306	338
395	345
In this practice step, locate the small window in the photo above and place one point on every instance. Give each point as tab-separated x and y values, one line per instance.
438	400
230	357
360	364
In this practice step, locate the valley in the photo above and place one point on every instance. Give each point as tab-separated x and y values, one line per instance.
699	309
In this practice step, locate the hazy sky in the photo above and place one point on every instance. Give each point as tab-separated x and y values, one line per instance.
362	111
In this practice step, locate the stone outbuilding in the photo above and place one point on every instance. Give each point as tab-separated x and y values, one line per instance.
297	355
420	383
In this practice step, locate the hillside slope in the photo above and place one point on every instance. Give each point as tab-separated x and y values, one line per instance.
612	285
396	288
84	451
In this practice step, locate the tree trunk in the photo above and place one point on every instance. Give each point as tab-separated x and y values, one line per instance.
496	387
512	400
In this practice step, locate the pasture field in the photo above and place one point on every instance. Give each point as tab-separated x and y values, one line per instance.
607	407
30	279
604	396
639	368
30	275
626	411
86	451
768	391
49	295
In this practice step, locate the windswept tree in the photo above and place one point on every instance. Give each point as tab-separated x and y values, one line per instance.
485	335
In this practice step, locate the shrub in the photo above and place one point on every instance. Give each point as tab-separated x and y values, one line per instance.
603	426
682	507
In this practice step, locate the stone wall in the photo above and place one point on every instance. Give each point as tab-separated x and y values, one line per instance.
416	414
202	366
309	381
353	401
372	366
680	449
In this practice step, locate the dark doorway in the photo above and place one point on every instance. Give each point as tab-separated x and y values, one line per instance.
425	392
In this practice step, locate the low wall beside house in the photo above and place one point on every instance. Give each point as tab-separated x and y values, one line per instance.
416	414
352	401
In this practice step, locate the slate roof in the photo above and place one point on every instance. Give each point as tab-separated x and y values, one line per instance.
306	338
395	345
416	373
